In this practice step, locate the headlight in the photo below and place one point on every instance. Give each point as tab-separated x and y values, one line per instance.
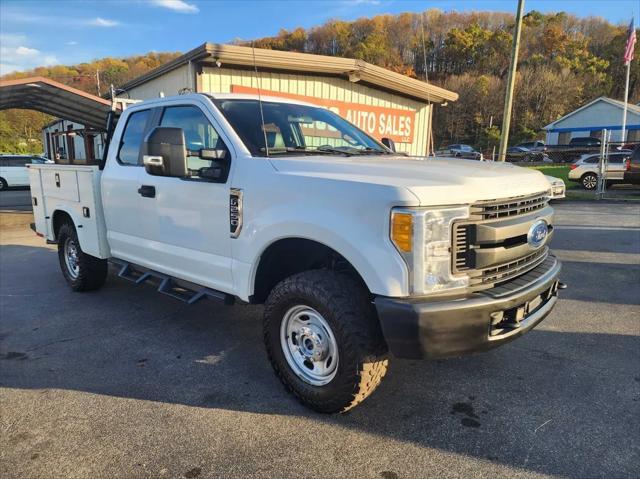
423	238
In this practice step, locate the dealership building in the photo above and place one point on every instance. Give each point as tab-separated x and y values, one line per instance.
380	102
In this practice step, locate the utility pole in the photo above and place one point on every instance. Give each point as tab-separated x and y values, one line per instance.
511	80
98	81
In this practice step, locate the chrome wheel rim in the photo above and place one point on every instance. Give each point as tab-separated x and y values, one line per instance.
590	182
309	346
71	258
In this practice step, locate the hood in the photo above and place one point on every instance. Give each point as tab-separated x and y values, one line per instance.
434	181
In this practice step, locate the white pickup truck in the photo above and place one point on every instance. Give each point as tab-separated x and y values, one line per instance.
357	252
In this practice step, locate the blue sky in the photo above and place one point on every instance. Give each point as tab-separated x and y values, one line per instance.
38	32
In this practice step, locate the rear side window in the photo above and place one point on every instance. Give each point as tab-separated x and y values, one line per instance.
592	160
132	137
14	161
617	158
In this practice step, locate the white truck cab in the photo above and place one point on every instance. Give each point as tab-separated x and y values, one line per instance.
357	252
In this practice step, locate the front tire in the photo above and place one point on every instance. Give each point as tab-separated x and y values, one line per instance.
83	272
324	340
589	181
3	184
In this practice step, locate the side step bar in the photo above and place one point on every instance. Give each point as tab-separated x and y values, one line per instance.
181	290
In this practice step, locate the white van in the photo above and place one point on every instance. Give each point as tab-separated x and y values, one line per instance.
13	169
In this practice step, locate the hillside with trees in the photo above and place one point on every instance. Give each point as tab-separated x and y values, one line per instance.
20	129
564	62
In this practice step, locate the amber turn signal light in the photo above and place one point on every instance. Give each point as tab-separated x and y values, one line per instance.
402	231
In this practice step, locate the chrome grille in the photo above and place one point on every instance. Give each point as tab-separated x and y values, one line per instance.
519	205
507	271
488	212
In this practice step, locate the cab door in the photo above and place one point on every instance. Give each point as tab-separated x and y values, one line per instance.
120	184
189	227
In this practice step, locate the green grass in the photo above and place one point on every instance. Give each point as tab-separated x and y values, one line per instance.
561	172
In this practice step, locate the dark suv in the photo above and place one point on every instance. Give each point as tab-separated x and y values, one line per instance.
585	141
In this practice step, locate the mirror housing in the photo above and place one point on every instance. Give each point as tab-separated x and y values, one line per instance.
389	143
164	152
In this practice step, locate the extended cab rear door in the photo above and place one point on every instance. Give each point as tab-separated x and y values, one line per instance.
120	183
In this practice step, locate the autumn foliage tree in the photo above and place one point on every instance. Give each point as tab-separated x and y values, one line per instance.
564	62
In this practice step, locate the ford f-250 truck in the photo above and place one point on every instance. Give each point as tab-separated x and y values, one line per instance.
357	252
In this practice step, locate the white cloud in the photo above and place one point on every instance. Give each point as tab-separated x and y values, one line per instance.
26	51
71	43
103	22
176	5
16	55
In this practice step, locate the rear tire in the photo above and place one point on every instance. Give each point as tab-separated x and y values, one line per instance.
3	184
589	181
324	340
83	272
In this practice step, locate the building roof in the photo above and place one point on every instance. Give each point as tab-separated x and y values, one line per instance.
616	103
49	96
354	70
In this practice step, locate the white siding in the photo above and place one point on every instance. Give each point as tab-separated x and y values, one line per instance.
170	84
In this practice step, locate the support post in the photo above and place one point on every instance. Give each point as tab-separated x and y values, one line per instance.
623	135
511	79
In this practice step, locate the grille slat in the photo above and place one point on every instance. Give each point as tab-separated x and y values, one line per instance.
487	211
493	209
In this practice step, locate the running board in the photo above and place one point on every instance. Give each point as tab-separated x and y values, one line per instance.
170	286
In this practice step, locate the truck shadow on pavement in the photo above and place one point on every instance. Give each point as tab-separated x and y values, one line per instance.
554	402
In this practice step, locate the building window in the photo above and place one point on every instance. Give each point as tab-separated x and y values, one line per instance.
633	136
596	134
564	137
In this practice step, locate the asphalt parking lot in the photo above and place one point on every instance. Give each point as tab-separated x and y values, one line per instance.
126	383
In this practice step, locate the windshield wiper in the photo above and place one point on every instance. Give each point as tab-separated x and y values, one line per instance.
276	150
330	149
376	151
304	150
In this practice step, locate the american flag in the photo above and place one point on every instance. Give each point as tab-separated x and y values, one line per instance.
631	42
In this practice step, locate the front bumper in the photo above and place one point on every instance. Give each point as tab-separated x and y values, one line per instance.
436	327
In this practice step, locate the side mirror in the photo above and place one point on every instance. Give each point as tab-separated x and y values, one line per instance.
164	152
389	143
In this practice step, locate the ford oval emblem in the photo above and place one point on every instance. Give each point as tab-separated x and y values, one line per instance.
537	234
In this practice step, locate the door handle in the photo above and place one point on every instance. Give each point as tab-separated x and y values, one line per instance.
148	191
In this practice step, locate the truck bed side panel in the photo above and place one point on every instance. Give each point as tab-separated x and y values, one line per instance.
74	190
37	201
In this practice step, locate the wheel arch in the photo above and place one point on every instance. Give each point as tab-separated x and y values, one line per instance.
58	218
291	255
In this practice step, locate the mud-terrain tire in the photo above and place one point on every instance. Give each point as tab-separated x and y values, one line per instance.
340	311
83	272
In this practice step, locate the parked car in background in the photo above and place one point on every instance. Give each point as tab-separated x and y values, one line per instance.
585	169
520	153
632	168
460	151
584	141
533	145
13	169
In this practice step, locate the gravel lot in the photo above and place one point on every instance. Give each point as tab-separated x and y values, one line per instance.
126	383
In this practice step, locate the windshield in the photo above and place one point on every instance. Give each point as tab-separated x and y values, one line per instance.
295	129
